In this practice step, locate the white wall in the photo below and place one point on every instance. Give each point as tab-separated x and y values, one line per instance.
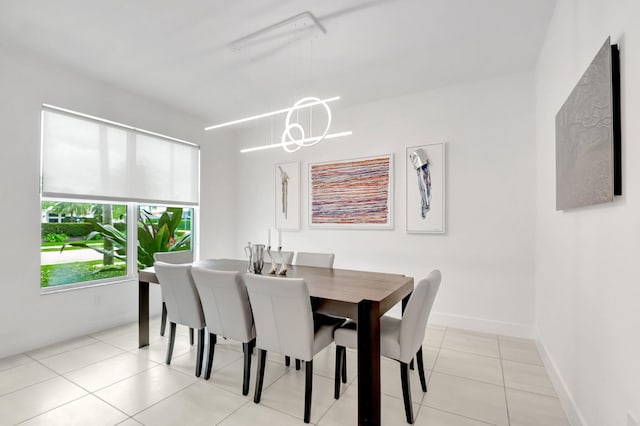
29	319
486	256
587	287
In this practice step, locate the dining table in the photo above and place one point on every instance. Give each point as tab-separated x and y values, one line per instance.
359	295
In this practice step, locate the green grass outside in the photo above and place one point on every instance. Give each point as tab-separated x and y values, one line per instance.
67	248
75	272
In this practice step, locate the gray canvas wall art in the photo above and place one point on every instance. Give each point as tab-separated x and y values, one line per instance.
585	138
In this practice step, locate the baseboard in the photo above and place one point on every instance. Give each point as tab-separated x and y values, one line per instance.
566	399
482	325
25	342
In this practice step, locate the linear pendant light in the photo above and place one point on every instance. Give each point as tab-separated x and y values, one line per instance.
269	114
290	143
279	144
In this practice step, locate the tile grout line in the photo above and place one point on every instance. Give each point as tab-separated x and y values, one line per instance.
506	401
335	401
63	352
433	370
157	402
460	415
428	379
33	384
234	411
61	405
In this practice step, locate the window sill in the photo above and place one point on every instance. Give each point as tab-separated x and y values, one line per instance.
85	285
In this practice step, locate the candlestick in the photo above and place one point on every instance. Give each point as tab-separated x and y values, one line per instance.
274	266
269	238
279	237
283	265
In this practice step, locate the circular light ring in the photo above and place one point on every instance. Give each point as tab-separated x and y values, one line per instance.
288	139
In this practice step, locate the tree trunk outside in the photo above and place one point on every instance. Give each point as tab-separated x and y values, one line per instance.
107	219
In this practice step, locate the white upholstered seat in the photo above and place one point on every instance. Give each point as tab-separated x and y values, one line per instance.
320	260
399	339
284	324
183	304
175	258
227	312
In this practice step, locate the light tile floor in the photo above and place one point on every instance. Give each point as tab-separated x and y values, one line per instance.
103	379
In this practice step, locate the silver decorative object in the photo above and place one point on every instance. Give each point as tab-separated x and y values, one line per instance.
257	258
421	163
274	265
283	265
247	251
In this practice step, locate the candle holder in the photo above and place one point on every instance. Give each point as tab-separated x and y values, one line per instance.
283	265
274	265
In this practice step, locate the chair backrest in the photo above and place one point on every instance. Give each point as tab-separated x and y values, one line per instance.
282	312
321	260
416	314
180	294
225	303
174	257
287	255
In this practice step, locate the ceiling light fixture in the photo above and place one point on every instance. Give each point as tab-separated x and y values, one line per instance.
276	145
276	112
294	135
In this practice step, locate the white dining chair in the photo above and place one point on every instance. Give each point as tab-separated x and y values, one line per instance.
173	257
320	260
400	339
183	305
286	255
227	312
285	324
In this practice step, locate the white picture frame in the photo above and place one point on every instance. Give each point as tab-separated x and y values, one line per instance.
431	221
331	206
287	196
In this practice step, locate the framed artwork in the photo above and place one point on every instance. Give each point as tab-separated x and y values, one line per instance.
352	193
287	196
588	136
425	188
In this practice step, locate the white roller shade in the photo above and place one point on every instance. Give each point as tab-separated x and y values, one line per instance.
88	158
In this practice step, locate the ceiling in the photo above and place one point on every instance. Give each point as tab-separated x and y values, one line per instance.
177	52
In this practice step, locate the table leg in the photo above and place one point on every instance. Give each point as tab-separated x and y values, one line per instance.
368	363
405	301
143	314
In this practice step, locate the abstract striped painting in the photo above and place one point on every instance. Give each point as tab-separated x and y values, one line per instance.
352	193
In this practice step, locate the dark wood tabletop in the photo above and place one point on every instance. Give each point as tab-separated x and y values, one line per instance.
340	285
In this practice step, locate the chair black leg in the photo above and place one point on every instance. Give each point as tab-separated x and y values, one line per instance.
212	346
287	360
297	364
163	321
338	373
172	339
411	365
406	391
191	336
262	360
344	365
247	367
200	353
308	386
423	380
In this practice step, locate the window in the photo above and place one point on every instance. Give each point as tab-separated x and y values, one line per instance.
73	248
128	173
178	234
